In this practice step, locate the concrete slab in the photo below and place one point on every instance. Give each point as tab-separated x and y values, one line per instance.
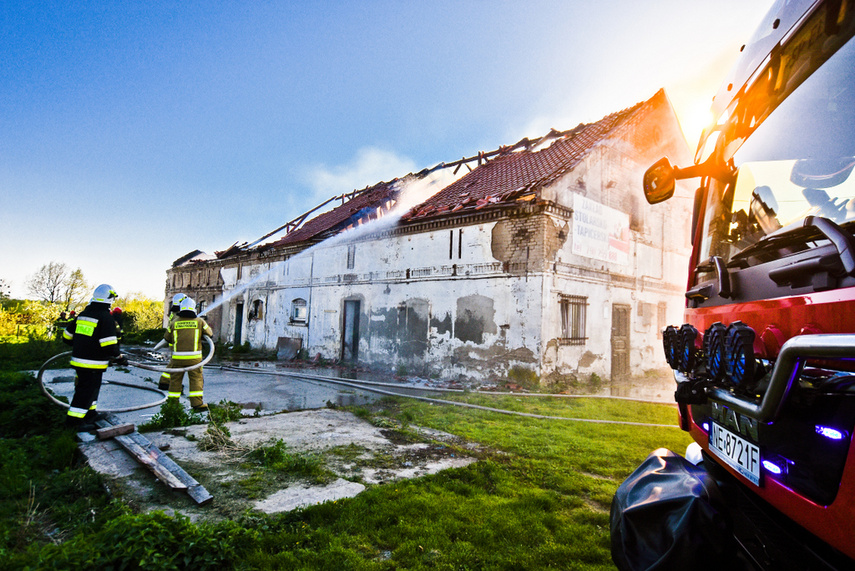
302	495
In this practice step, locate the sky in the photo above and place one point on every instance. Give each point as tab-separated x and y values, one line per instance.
133	133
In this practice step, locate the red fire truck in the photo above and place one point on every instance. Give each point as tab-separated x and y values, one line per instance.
765	358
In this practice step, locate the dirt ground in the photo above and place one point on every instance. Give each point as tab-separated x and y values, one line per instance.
355	452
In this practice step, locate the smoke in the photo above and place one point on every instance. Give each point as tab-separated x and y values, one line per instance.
412	191
368	166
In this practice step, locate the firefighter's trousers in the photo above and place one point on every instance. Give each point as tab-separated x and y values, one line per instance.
197	380
87	386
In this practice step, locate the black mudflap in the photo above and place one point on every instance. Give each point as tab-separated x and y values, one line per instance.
668	515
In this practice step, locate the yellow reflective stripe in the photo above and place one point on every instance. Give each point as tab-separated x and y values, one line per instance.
93	405
66	334
186	354
196	342
173	395
109	341
85	326
194	394
88	364
77	412
165	376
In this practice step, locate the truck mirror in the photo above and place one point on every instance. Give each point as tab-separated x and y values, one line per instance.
659	181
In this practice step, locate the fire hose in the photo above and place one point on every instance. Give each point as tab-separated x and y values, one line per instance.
204	361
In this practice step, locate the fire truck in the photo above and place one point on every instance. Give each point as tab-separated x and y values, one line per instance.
765	358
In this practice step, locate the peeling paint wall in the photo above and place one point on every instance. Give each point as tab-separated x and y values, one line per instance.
475	296
652	281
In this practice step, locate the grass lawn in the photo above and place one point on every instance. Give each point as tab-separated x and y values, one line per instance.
537	498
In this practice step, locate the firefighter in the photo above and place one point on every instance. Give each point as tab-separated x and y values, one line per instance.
119	319
163	384
94	345
185	337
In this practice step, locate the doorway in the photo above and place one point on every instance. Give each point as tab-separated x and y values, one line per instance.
350	331
238	324
620	342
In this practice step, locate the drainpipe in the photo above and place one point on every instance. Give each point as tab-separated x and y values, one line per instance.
311	307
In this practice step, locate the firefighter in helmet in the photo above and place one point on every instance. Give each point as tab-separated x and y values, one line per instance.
174	308
94	345
184	335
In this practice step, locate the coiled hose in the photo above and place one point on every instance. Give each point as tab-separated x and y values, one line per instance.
204	361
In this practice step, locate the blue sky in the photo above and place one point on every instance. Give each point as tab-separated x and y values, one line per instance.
132	133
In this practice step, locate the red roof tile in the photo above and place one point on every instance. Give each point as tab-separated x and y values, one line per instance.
521	169
362	205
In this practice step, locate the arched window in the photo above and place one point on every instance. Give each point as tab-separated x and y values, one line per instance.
299	311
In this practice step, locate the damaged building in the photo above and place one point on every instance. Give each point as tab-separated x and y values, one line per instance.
539	258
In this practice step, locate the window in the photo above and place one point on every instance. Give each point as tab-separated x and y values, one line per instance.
299	311
257	311
351	256
451	244
573	314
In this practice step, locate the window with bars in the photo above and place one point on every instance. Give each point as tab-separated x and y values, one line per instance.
574	309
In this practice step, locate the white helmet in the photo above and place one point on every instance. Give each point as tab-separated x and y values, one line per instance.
104	294
187	304
178	298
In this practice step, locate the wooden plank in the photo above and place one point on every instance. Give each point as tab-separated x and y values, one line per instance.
105	433
146	460
151	455
194	488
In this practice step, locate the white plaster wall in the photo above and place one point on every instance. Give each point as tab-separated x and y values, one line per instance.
378	280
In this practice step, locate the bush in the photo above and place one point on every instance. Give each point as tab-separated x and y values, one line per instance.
172	414
153	541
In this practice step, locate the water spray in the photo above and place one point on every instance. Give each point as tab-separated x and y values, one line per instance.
204	361
411	193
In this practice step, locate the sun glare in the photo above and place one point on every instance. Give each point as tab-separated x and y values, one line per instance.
693	117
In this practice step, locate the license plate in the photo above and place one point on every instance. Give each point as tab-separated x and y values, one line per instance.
739	454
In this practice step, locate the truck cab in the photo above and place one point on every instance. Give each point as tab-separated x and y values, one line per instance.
765	357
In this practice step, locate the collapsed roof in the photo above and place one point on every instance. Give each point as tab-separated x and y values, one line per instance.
518	172
505	176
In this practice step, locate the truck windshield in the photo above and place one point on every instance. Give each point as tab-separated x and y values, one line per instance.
798	162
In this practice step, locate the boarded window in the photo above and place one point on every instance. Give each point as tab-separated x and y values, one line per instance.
299	311
573	316
351	256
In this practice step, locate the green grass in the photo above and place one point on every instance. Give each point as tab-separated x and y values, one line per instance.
28	355
536	498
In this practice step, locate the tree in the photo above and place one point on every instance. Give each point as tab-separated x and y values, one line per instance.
46	284
55	283
4	290
75	290
141	313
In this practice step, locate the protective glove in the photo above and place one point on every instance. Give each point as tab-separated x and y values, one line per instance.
121	360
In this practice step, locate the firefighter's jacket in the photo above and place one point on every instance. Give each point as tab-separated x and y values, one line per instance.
92	336
185	336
